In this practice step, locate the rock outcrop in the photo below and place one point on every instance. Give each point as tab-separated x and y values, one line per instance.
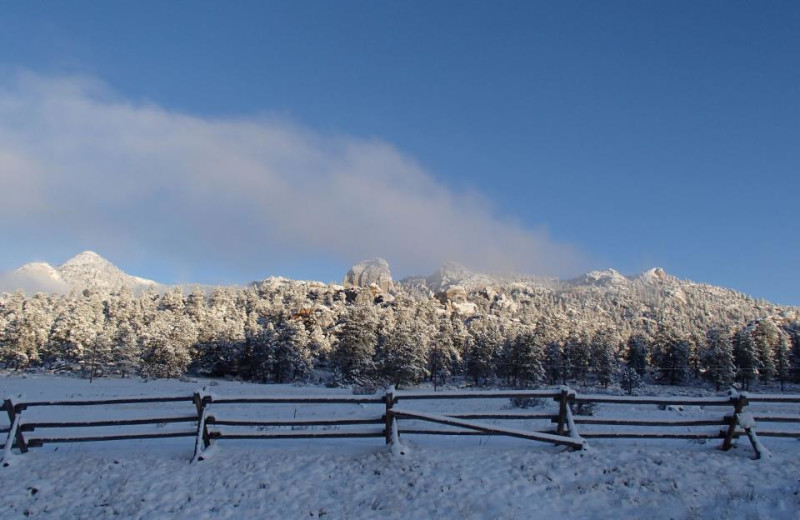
364	274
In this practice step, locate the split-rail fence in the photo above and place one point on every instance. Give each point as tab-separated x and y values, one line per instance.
393	415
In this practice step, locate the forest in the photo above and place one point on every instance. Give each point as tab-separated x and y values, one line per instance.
512	334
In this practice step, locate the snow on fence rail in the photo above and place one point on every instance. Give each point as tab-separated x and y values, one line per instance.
561	425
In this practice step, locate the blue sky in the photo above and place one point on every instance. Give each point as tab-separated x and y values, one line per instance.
606	134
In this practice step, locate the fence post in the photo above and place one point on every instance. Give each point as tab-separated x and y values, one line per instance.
389	416
14	431
14	412
562	410
739	401
202	440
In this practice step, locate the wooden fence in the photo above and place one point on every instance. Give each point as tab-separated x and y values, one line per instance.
393	415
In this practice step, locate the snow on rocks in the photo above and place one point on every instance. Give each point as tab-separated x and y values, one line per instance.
364	274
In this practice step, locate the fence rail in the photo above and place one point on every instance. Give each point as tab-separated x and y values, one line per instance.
559	427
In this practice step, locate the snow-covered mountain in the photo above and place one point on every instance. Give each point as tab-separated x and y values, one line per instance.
87	270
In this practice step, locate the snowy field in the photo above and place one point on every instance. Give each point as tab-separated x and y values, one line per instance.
476	477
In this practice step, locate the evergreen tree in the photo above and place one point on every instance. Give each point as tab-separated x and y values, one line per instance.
718	358
352	357
524	356
257	361
14	354
33	328
636	354
553	356
75	330
782	358
166	344
766	337
483	349
794	356
671	355
603	356
292	359
576	360
126	354
745	355
629	379
401	359
442	354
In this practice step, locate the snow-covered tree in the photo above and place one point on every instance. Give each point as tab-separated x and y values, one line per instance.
745	355
671	355
443	353
126	354
166	344
526	356
718	358
292	358
576	360
794	356
766	336
554	359
782	358
637	353
352	357
401	359
603	351
629	378
483	349
75	330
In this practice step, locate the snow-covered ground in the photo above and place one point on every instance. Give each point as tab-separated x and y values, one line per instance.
478	477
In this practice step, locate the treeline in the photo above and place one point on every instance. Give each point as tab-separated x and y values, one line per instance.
281	331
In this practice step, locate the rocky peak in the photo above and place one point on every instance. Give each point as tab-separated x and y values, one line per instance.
604	278
655	274
375	271
450	273
86	258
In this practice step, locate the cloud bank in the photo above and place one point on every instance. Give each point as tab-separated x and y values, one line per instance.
77	162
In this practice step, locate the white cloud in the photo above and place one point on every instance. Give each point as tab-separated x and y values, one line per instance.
77	161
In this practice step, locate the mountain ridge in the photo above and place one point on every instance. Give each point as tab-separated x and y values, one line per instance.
89	270
86	270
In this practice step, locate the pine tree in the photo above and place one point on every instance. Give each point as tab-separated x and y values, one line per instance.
718	358
401	359
745	355
33	328
766	337
221	334
782	358
76	328
671	355
529	355
126	354
442	353
603	356
636	354
483	350
166	344
576	360
257	361
292	359
352	357
794	356
629	378
13	353
553	359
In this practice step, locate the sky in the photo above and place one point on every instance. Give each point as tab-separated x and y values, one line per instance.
219	142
